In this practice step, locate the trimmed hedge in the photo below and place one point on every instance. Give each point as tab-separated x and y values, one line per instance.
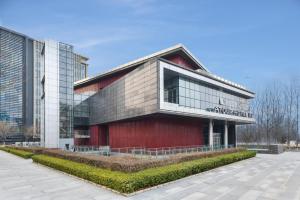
130	182
127	163
34	150
21	153
155	176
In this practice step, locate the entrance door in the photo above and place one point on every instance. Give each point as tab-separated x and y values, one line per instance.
106	132
104	136
217	140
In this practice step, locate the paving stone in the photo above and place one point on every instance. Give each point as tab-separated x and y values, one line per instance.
266	177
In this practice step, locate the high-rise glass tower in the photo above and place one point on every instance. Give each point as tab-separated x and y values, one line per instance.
36	86
16	80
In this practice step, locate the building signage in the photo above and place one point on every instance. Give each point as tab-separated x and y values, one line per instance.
228	111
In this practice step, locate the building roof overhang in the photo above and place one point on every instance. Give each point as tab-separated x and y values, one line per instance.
212	76
169	51
176	49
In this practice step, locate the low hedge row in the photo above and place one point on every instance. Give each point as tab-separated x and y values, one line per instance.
130	182
34	150
127	163
155	176
21	153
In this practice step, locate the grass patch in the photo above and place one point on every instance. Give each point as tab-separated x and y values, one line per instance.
131	182
20	153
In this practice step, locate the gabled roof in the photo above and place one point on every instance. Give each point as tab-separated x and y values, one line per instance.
179	48
164	52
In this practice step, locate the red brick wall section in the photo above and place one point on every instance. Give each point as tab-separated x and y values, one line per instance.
181	61
156	132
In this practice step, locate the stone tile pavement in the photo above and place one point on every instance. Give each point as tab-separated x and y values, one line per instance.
265	177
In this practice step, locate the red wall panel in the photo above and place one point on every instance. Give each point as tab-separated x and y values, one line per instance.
181	61
81	141
156	132
94	136
103	131
98	136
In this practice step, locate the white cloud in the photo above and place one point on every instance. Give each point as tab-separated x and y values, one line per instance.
98	41
105	36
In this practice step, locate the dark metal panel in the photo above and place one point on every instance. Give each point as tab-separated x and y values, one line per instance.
28	82
135	94
231	135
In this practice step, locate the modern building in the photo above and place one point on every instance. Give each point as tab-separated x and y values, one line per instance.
36	86
165	99
16	68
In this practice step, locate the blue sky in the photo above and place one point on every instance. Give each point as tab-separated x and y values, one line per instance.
250	42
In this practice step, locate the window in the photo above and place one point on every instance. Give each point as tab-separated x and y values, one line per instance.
188	92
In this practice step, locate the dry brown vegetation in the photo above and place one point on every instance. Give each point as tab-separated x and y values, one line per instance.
125	163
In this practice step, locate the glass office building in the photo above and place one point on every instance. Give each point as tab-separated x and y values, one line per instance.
57	99
36	86
16	63
11	77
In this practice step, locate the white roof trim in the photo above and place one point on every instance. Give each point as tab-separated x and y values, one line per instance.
195	58
216	81
177	46
124	66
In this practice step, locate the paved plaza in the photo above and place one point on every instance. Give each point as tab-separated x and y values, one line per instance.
264	177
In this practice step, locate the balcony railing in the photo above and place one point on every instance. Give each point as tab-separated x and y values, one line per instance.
147	152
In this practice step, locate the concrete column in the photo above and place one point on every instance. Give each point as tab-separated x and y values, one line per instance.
226	135
211	133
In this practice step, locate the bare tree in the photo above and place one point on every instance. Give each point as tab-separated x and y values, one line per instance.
5	129
297	118
297	108
276	110
291	92
30	133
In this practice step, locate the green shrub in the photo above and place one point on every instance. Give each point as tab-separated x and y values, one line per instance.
155	176
112	179
125	163
130	182
34	150
21	153
129	163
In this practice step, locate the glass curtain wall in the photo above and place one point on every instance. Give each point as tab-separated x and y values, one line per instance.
66	82
38	92
81	109
12	50
191	93
80	71
81	114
